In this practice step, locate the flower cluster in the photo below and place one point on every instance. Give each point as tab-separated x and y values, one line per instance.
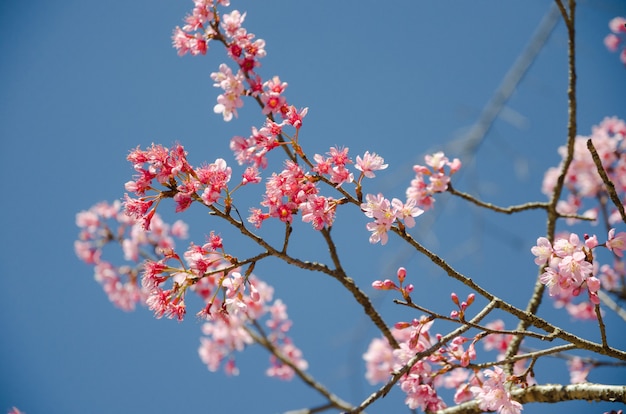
613	40
179	180
582	179
228	323
569	267
492	394
443	368
386	213
105	223
431	178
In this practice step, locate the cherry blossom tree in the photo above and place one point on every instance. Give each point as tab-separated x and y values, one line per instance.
464	345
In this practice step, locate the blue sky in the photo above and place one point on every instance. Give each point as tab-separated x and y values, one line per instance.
83	82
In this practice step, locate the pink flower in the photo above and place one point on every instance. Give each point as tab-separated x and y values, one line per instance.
406	212
578	370
319	211
492	394
611	41
370	163
616	243
618	25
543	251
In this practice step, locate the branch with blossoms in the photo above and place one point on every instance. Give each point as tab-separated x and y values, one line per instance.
239	309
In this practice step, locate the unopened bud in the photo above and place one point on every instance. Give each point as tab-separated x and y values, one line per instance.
455	298
401	274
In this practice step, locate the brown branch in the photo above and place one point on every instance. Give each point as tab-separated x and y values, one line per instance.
601	325
262	340
611	304
357	293
512	209
610	187
552	393
528	318
553	215
505	210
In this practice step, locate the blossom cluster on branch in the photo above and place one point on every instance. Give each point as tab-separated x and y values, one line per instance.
239	309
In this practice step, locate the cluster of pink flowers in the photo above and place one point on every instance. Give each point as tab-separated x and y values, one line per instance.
178	179
493	395
570	268
446	367
290	191
582	179
431	178
166	278
105	223
613	40
386	213
227	326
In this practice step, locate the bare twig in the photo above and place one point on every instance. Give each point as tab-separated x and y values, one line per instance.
512	209
262	340
611	304
553	215
610	187
601	325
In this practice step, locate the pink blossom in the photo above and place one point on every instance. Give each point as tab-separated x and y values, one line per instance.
612	42
231	22
319	211
495	341
406	211
618	25
294	118
578	370
616	243
232	84
492	394
543	251
370	163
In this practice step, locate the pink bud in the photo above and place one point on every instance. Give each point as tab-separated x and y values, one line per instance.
470	299
594	298
593	283
401	274
377	284
401	325
454	298
454	314
591	242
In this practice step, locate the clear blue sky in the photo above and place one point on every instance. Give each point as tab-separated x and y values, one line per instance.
83	81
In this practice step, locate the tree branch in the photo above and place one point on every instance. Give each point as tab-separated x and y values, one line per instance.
610	187
552	393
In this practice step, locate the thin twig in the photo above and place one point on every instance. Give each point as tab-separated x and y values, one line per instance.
262	340
512	209
553	215
610	187
611	304
358	294
528	318
601	325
